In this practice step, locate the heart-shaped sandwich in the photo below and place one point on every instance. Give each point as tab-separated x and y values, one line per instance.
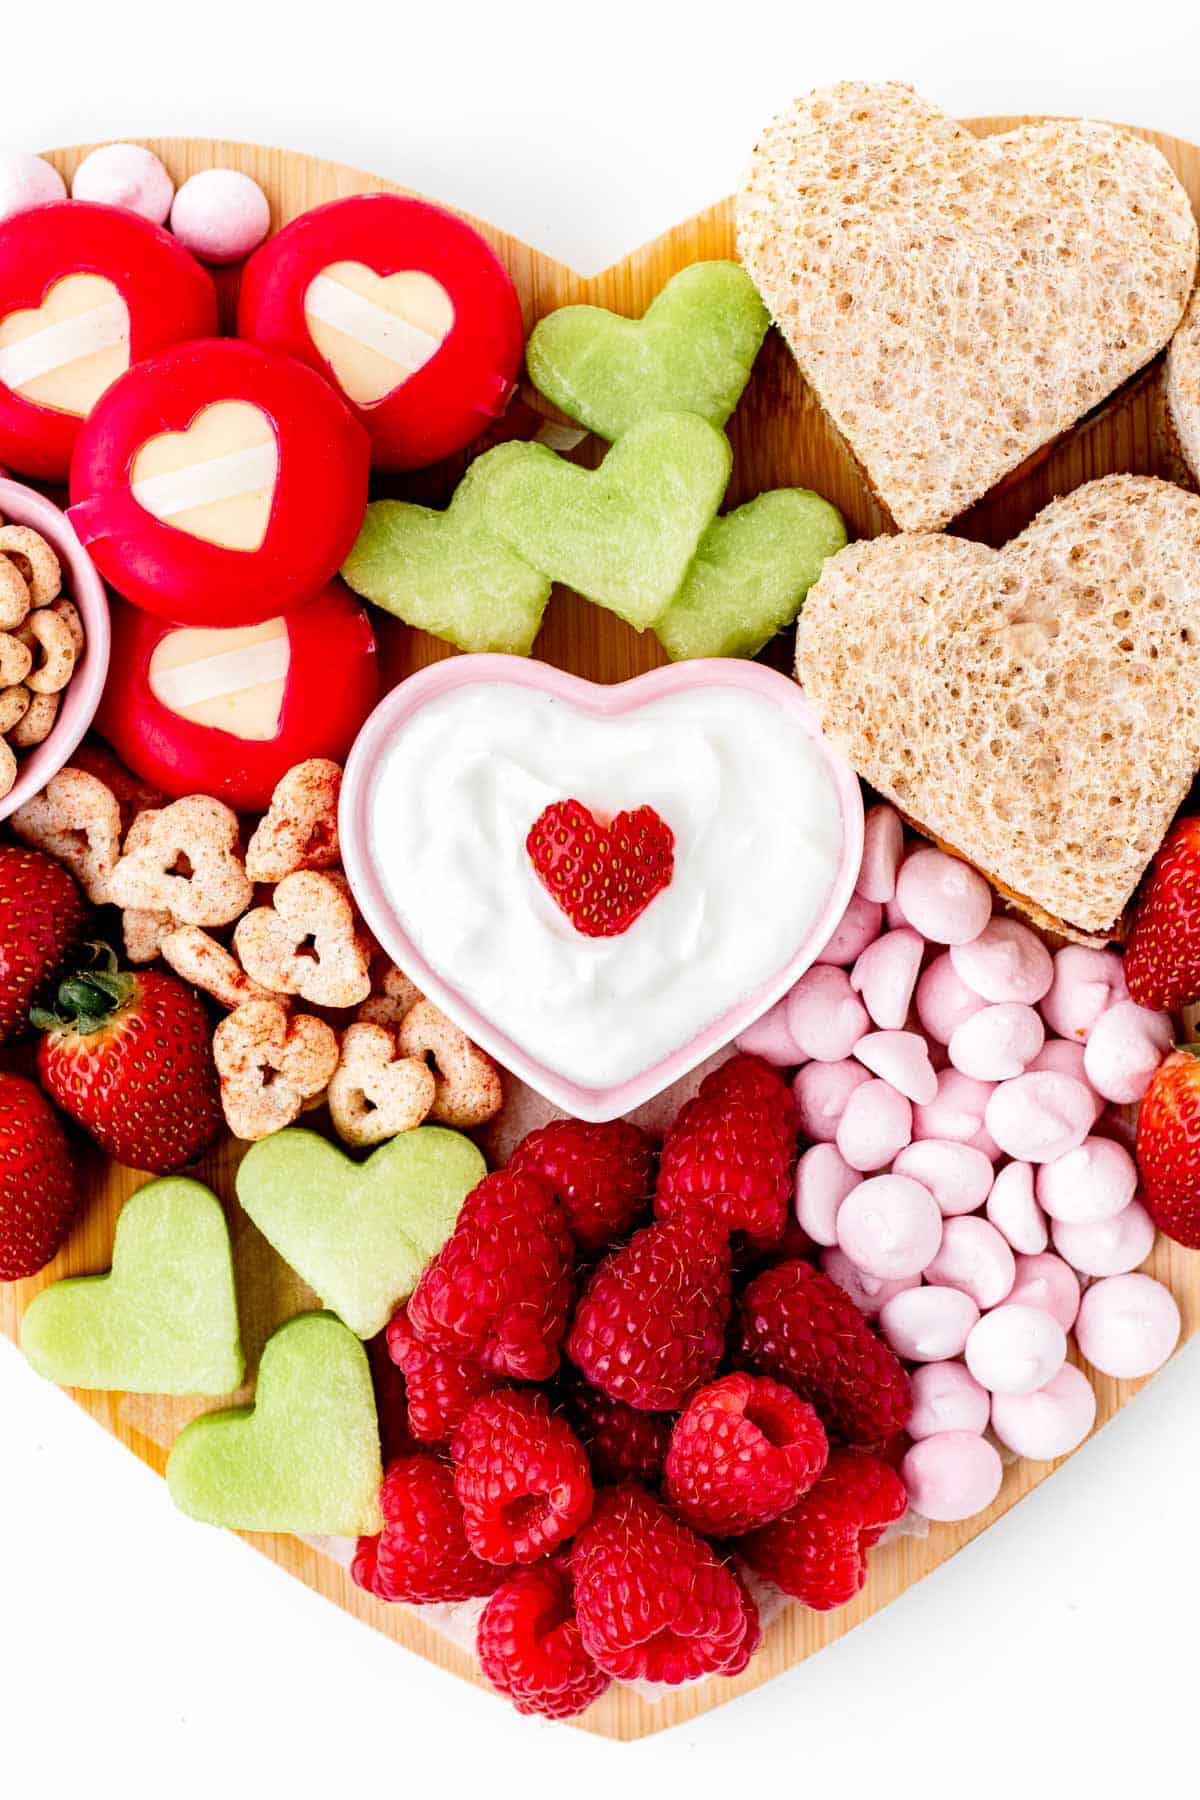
1035	708
956	302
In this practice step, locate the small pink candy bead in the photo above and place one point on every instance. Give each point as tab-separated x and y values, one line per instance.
1086	983
1045	1280
1013	1209
956	1111
883	847
821	1091
886	976
825	1017
974	1258
125	175
220	215
1006	963
943	1001
1128	1325
823	1179
1038	1117
770	1038
1112	1247
928	1324
951	1475
875	1126
894	916
1051	1422
998	1042
943	897
858	926
957	1175
947	1397
868	1292
1094	1182
1016	1349
27	181
901	1058
1062	1057
889	1227
1125	1047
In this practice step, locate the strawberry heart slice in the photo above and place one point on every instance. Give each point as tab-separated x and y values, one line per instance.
602	876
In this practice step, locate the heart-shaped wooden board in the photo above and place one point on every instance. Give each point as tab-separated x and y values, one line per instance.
780	437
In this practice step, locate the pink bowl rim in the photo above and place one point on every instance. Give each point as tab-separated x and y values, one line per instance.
614	1100
25	506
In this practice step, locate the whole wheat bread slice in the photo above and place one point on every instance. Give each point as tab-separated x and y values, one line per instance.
1182	387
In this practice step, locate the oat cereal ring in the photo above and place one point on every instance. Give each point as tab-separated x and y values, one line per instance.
36	723
8	768
16	659
35	562
207	964
14	704
299	829
306	942
392	999
269	1065
68	612
52	635
143	933
468	1081
14	596
184	859
76	819
374	1094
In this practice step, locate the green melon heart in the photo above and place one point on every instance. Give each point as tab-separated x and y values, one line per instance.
750	575
305	1457
359	1233
164	1321
691	352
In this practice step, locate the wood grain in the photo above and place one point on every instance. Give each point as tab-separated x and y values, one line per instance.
780	436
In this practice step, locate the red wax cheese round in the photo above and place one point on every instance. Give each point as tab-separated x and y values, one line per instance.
228	711
85	291
402	305
218	484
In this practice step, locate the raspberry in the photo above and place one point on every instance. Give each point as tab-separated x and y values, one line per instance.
602	876
390	1402
654	1601
603	1175
499	1290
799	1326
422	1553
744	1450
530	1647
650	1324
732	1148
441	1390
623	1444
522	1477
817	1552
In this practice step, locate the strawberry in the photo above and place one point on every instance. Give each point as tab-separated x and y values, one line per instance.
602	876
37	1184
42	915
1162	957
129	1057
1168	1146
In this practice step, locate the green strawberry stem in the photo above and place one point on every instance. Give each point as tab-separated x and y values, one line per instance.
89	999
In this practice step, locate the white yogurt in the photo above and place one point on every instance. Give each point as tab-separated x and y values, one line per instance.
758	838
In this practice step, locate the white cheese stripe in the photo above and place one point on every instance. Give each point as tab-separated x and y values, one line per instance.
219	478
229	672
101	328
373	326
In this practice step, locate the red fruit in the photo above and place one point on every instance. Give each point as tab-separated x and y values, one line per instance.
129	1057
530	1647
1162	956
732	1149
798	1325
522	1477
743	1451
1168	1147
390	1402
42	916
623	1444
499	1290
654	1601
602	876
650	1324
817	1552
440	1390
603	1175
38	1195
422	1554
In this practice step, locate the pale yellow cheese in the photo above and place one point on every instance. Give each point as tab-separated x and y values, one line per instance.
64	353
376	330
215	480
234	680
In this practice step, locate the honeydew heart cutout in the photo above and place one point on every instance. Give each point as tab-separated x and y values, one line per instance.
44	349
216	478
375	331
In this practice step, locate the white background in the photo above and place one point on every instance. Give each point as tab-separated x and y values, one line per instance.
142	1654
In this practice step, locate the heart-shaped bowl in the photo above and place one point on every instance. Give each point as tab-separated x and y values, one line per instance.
601	1099
20	505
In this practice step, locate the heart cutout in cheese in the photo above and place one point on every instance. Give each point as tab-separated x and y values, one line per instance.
956	303
1034	708
374	330
232	680
216	479
64	353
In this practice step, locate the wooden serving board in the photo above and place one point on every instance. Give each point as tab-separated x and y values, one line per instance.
780	437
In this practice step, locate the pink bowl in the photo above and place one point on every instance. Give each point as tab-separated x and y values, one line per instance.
20	505
370	893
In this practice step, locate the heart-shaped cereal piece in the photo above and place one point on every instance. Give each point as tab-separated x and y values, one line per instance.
1034	707
305	1457
164	1320
957	302
359	1233
67	351
215	480
375	330
692	351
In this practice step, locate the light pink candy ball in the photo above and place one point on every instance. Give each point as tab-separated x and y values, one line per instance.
1062	1057
875	1126
1124	1048
770	1038
1093	1182
1128	1325
27	181
947	1397
943	897
126	175
825	1017
901	1058
957	1175
1051	1422
868	1292
823	1179
944	1002
821	1091
951	1475
1007	963
1013	1209
1086	983
883	847
997	1043
1045	1280
886	976
1112	1247
1038	1117
957	1112
975	1258
858	926
220	215
929	1324
889	1227
1015	1349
